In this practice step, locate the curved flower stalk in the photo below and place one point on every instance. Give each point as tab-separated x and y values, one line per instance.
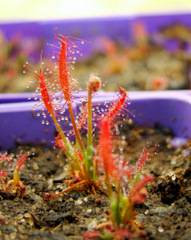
93	85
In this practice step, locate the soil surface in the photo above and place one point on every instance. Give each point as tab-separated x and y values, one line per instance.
166	214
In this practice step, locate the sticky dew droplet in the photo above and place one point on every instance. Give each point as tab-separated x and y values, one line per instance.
62	111
121	149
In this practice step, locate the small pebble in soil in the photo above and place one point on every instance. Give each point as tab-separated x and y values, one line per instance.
146	212
93	224
89	210
160	229
97	209
35	166
78	202
50	183
173	177
27	215
13	235
173	160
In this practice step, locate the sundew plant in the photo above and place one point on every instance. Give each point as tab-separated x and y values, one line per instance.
9	164
54	88
92	167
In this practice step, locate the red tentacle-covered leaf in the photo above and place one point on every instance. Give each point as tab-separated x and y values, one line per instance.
140	196
118	109
66	57
3	175
5	157
142	183
139	193
46	96
22	158
91	235
144	156
122	234
63	68
105	148
43	80
59	143
118	105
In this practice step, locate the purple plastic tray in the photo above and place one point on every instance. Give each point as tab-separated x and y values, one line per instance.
19	124
120	29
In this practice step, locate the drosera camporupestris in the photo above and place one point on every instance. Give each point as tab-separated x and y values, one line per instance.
10	163
55	91
93	166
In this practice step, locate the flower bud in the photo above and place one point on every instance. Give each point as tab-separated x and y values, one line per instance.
94	84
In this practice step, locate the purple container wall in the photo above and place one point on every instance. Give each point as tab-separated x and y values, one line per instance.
116	28
18	123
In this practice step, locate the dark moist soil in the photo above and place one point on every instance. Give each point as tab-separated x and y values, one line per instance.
166	214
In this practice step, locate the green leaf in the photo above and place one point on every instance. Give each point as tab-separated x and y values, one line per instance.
115	209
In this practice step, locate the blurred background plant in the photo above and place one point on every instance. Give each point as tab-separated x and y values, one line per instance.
13	54
142	66
147	64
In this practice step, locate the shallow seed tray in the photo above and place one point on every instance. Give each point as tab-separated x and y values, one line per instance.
120	29
18	122
20	125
